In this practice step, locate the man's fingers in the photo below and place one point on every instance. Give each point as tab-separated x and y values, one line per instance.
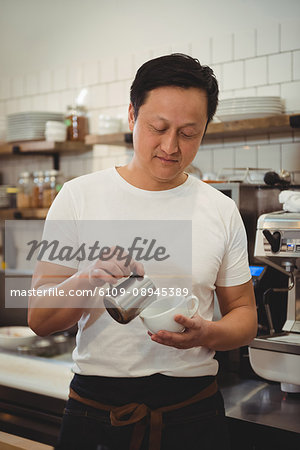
185	321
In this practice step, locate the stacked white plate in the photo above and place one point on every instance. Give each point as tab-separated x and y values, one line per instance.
28	126
239	108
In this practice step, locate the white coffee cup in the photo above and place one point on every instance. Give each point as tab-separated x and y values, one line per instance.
160	314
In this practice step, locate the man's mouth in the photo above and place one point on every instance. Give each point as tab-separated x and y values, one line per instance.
167	160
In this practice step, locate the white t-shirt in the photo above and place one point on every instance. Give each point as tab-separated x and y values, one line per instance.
219	258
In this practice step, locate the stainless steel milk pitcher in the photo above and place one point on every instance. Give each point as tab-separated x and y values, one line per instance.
129	298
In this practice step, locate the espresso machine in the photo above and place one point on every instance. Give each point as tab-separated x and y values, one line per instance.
276	355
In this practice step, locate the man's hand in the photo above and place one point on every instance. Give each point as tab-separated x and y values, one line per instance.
194	335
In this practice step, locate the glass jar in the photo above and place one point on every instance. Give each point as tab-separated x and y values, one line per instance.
37	189
77	123
52	185
24	194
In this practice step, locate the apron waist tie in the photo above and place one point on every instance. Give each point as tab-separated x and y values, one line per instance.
140	414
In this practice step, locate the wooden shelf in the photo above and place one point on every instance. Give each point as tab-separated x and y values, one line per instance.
247	127
43	147
250	127
120	139
23	213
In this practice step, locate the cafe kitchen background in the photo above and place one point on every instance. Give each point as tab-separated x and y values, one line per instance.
73	63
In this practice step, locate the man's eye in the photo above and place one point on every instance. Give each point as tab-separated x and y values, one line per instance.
187	135
159	130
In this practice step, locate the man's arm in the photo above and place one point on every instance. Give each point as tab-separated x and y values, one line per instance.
236	328
48	313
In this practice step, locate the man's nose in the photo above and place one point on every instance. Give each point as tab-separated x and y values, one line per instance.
169	142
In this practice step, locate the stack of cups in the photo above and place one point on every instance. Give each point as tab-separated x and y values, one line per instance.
55	131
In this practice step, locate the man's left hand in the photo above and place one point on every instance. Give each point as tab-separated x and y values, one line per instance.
194	335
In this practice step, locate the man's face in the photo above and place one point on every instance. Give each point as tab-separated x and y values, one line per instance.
166	135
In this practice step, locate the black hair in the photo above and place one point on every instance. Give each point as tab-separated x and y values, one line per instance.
176	69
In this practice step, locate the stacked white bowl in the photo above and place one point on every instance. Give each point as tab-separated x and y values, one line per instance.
55	131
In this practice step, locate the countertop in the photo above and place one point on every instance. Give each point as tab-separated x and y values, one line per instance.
260	402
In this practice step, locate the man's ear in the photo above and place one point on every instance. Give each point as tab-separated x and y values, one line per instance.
131	117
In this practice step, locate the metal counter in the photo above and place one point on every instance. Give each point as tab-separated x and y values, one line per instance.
260	414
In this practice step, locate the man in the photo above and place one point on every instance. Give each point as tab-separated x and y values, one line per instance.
171	375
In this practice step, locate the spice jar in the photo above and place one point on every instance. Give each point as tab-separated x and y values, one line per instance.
24	194
37	189
77	123
52	185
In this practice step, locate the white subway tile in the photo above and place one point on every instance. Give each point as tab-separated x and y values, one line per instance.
246	157
223	158
290	92
17	86
160	50
226	94
290	155
269	157
281	138
140	58
204	160
39	103
244	44
60	79
31	84
53	102
181	47
280	68
94	122
290	35
222	48
115	93
124	67
11	106
268	39
127	86
91	73
5	88
247	92
256	71
98	96
25	104
45	81
2	108
107	70
296	65
271	90
233	75
201	49
67	98
75	76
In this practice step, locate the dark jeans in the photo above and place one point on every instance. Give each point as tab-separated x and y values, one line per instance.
200	426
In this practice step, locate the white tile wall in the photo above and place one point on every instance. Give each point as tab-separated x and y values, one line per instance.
45	84
5	88
296	65
256	71
222	48
262	61
280	68
17	86
202	50
290	35
268	39
233	75
269	157
60	79
244	44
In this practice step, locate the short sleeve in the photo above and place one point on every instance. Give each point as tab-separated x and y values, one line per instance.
60	236
234	268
